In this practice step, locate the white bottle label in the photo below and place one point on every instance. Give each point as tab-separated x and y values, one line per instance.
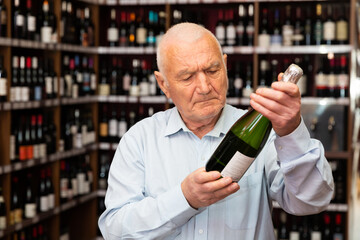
294	236
2	222
3	86
329	31
113	124
30	210
44	205
237	166
113	34
46	34
31	23
315	235
51	201
343	80
288	32
264	40
341	30
122	128
220	34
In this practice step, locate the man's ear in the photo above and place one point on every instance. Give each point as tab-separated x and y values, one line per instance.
162	83
225	59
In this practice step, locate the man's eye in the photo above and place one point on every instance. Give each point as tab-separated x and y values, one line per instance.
187	78
212	71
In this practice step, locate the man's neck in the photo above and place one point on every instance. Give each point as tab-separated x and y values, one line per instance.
200	129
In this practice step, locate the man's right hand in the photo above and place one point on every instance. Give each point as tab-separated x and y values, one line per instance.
202	188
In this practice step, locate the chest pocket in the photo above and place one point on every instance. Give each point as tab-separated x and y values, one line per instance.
242	208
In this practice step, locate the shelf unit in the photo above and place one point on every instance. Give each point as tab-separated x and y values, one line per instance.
88	203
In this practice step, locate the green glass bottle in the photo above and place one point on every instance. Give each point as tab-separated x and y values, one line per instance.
245	139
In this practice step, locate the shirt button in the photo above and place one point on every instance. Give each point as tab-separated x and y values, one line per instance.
280	147
201	231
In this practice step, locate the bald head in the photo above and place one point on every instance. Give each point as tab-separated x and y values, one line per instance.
182	33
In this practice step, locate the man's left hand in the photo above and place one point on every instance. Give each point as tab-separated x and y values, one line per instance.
280	104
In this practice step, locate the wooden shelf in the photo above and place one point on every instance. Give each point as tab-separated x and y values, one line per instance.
48	214
5	169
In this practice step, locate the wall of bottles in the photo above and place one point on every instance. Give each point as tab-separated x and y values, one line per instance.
74	76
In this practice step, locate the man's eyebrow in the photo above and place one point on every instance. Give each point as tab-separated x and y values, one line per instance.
186	71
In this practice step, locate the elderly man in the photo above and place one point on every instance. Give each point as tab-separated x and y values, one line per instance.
158	186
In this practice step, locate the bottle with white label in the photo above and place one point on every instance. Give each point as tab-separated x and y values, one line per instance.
3	81
245	139
2	211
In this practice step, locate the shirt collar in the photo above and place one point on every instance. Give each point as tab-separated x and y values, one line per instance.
175	123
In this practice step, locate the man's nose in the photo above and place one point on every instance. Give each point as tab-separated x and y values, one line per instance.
203	83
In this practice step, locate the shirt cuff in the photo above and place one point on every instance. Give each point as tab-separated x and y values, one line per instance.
174	207
293	145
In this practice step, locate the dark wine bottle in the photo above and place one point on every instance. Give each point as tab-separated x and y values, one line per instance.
245	139
30	203
3	223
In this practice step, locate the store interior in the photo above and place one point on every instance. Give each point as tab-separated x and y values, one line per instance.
76	75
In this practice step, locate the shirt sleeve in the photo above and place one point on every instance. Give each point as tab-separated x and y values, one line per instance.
300	178
129	212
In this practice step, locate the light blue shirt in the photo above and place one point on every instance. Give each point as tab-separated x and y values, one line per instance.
144	198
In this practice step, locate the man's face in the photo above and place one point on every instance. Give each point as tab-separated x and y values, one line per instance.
197	79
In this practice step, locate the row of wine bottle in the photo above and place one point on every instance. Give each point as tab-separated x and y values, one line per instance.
36	20
135	29
33	136
36	232
77	128
30	195
139	80
323	226
299	27
114	121
76	178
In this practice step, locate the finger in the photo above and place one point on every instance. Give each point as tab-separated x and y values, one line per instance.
226	191
287	87
217	185
280	76
202	176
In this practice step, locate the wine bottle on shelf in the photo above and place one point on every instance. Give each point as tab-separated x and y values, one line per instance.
144	85
104	86
122	127
3	222
25	88
63	21
28	78
329	27
132	29
230	30
103	171
283	233
305	229
78	76
343	77
250	29
86	76
113	126
264	35
240	26
338	231
318	26
33	137
18	23
288	27
50	189
332	79
30	21
16	211
151	31
104	125
320	79
308	27
43	204
220	29
40	136
93	78
3	19
248	88
238	80
63	182
294	233
113	31
135	78
276	36
113	77
29	148
141	29
46	29
315	233
342	27
30	202
298	37
245	139
123	32
3	81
